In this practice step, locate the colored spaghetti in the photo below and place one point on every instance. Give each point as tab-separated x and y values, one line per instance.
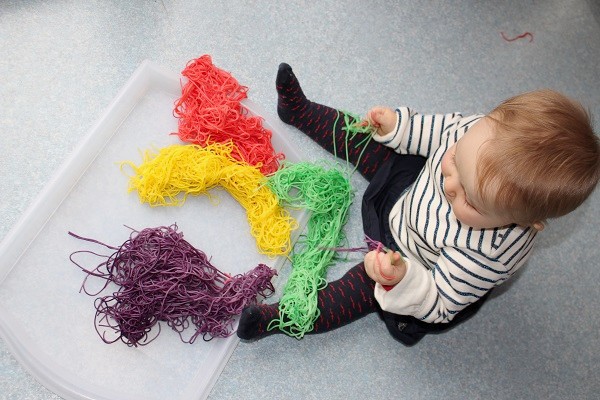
210	110
166	178
327	194
160	277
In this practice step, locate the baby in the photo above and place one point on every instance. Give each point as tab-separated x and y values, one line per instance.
458	199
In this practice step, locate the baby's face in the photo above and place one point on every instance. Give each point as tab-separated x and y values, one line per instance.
459	169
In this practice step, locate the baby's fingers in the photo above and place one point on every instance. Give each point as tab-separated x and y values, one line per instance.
374	116
384	264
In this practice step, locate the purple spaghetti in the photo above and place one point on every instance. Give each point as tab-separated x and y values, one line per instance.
162	277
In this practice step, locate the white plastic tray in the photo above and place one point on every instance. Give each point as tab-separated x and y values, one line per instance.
48	325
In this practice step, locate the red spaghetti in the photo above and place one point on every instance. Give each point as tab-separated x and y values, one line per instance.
210	111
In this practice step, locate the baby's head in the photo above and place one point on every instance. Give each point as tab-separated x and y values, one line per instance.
542	159
533	157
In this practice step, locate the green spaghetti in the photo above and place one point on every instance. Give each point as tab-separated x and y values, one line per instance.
327	194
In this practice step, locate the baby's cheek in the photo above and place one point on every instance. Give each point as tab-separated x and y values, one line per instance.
463	215
458	212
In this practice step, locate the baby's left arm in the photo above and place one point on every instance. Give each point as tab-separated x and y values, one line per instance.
458	279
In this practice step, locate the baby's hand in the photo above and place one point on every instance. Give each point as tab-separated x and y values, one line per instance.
385	268
382	118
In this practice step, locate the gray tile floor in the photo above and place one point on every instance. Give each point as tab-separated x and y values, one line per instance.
538	338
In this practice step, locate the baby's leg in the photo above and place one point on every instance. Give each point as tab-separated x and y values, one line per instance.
340	302
324	125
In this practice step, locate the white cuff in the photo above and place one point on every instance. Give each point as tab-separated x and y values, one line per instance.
409	295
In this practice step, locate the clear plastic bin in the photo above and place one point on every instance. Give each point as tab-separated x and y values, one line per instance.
49	325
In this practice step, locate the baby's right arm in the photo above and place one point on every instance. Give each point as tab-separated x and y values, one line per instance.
407	132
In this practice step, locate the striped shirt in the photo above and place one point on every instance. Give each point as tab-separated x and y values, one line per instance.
449	264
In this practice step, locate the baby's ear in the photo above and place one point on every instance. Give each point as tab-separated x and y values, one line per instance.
539	226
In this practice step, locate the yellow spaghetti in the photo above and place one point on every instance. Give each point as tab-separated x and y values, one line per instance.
166	178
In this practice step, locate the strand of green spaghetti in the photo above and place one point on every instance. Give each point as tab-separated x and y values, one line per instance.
353	125
327	194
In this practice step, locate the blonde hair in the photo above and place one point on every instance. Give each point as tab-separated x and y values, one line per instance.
544	158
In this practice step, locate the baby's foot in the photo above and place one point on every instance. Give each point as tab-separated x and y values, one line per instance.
255	320
291	101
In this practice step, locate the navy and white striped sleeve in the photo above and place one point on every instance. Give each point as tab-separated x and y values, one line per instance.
416	133
459	278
